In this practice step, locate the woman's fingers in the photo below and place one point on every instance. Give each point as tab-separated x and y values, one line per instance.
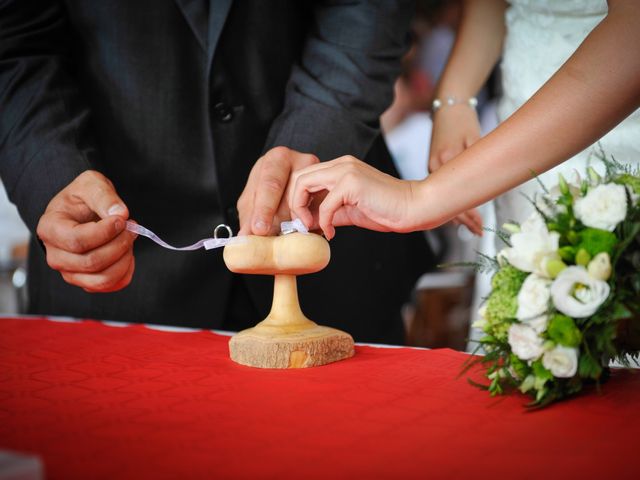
309	181
327	210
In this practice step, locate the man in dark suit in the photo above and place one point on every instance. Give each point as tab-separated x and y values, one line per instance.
157	110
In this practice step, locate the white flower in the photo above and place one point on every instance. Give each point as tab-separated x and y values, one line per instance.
533	297
525	343
604	206
561	361
539	324
600	266
532	247
576	294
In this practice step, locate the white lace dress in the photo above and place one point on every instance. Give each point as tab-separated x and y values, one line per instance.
541	36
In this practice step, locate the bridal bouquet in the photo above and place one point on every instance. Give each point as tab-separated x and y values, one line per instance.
566	290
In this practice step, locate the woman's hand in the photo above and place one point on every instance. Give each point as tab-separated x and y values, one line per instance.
455	128
357	194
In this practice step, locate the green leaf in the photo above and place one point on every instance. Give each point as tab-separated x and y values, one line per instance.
520	367
567	253
540	372
588	367
594	241
620	311
563	330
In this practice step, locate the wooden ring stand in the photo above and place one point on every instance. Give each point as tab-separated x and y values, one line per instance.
286	338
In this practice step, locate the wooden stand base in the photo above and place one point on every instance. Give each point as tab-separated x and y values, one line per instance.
310	347
288	339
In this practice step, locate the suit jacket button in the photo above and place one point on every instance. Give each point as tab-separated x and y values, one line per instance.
223	112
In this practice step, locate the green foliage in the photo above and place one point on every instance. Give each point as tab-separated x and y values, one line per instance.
589	367
540	372
563	330
594	241
520	368
504	236
567	253
630	180
508	279
502	304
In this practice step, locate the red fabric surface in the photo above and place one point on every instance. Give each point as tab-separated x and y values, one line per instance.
95	401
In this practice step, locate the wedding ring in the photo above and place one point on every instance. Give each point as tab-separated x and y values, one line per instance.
225	227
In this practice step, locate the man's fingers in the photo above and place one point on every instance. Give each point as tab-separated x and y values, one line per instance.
61	231
271	185
247	198
123	282
92	261
104	281
98	193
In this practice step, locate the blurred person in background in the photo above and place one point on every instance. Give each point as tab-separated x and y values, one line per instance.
439	315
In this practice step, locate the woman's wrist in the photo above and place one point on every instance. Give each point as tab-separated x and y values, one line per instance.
452	100
423	206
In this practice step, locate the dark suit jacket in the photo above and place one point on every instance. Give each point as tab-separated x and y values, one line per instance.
174	100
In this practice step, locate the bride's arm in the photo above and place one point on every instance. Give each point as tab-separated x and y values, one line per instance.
597	88
591	93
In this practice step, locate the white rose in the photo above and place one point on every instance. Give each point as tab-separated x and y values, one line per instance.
525	343
602	207
576	294
532	247
561	361
533	297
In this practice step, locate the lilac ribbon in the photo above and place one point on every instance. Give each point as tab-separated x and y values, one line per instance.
207	243
211	243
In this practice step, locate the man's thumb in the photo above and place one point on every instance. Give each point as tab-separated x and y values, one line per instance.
100	196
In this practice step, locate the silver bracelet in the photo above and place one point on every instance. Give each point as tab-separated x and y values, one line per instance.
451	100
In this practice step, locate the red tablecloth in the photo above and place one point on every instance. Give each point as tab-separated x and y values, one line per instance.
97	401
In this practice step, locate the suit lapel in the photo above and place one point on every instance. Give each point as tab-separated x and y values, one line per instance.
218	12
196	13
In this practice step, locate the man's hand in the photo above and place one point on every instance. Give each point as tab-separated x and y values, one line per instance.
263	203
83	230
